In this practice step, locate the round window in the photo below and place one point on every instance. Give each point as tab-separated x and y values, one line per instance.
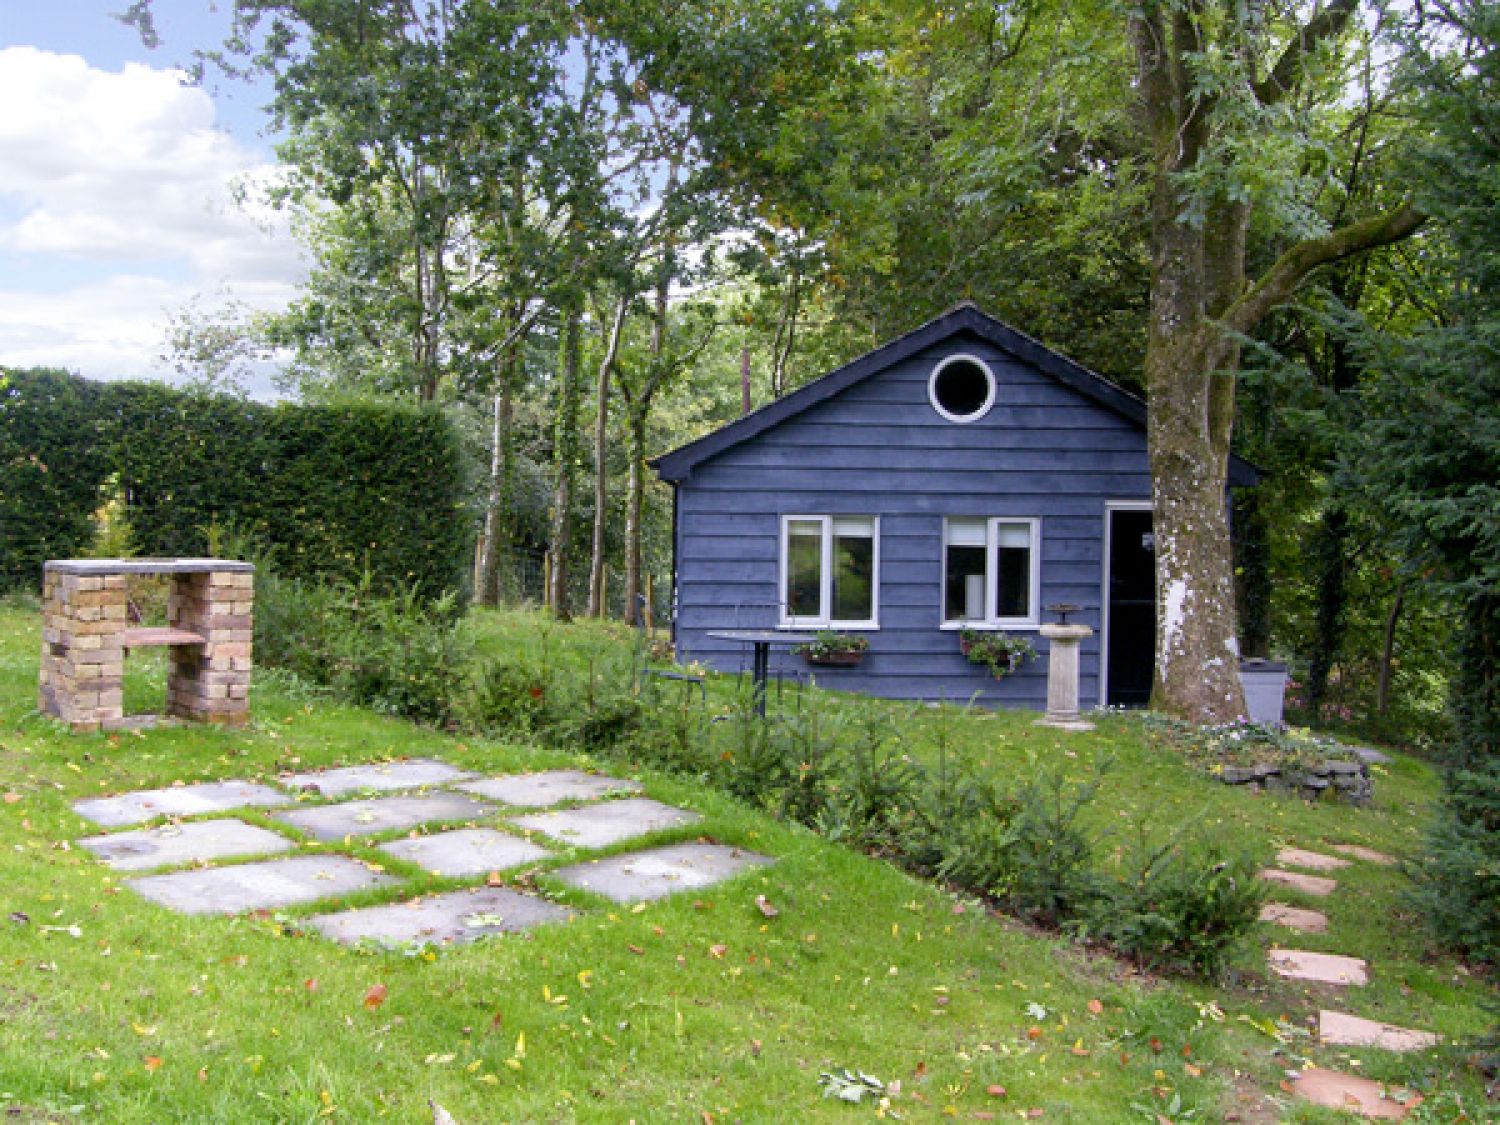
962	388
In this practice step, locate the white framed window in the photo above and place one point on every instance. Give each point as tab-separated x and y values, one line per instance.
991	572
962	388
830	572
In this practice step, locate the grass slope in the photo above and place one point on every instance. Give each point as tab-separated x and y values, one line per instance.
697	1008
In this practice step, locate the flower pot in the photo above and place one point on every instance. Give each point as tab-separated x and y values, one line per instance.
1264	683
835	659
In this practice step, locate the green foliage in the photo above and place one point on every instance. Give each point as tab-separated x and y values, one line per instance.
830	643
1212	747
1052	879
1458	887
1000	652
334	492
402	654
1183	906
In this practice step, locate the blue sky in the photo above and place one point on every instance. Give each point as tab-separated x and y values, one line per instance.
116	187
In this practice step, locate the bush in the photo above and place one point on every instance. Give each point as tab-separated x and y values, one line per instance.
1180	907
1052	878
338	492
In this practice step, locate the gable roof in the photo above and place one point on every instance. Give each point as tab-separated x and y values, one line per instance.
965	317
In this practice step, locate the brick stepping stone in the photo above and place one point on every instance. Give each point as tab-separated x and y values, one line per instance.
1351	1031
450	919
538	790
1315	861
383	814
1295	918
1307	884
416	773
178	800
1356	1095
659	872
258	886
596	826
466	851
172	845
1319	968
1369	855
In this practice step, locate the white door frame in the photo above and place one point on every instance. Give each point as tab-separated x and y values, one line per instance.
1110	507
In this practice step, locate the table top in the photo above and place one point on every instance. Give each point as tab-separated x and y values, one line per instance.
762	636
88	567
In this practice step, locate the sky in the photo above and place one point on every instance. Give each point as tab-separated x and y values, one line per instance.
120	187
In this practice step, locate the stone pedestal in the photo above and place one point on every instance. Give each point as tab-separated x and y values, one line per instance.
1062	677
86	634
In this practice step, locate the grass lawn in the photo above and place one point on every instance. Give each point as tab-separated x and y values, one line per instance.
697	1008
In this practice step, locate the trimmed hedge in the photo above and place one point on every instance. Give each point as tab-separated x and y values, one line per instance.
332	492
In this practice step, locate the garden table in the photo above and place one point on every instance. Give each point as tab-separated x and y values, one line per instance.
761	642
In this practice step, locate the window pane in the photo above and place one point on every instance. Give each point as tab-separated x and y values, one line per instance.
804	570
966	533
1013	581
853	570
964	567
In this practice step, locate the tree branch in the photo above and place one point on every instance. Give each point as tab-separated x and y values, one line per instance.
1326	24
1282	279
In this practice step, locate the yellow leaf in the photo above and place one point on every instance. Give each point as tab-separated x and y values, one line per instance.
143	1029
521	1045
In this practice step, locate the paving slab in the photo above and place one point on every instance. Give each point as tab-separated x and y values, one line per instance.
1356	1095
466	851
415	773
383	814
258	886
1369	855
1314	861
538	790
450	919
178	800
1307	884
1370	754
196	841
1319	968
1345	1030
1295	918
596	826
659	872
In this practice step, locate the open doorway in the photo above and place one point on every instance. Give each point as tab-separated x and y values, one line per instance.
1130	604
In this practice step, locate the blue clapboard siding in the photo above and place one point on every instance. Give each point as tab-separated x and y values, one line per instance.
878	448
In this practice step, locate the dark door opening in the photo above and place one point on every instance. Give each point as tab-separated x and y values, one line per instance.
1132	608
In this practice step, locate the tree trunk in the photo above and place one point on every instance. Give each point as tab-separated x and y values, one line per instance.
1388	652
597	607
635	492
565	462
486	581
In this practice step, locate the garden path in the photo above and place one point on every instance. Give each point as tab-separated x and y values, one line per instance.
450	834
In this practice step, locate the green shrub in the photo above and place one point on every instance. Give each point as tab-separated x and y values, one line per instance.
1053	879
507	697
339	492
1180	907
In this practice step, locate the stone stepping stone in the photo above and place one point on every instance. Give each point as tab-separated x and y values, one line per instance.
1307	884
1369	855
1295	918
178	800
466	851
450	919
258	886
383	814
1345	1030
416	773
1315	861
596	826
1352	1094
658	872
538	790
172	845
1319	968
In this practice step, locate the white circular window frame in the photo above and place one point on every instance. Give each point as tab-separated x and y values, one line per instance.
989	378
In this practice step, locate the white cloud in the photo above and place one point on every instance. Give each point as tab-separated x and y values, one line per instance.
123	176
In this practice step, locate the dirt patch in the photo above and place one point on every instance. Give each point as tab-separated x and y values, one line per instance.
1248	1104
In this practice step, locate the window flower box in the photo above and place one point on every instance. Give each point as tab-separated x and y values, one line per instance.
835	650
999	651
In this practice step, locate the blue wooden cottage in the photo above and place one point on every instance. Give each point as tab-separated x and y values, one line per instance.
961	477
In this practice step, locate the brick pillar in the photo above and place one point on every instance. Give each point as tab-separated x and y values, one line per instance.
211	682
83	665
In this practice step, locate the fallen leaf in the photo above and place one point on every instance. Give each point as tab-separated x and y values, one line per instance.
1195	1071
376	996
765	907
12	798
1156	1045
1033	1033
995	1091
755	1046
153	1063
311	984
1095	1008
637	950
718	950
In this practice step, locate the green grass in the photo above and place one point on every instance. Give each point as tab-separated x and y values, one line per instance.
695	1005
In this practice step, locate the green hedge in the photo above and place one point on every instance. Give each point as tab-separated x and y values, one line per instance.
332	491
